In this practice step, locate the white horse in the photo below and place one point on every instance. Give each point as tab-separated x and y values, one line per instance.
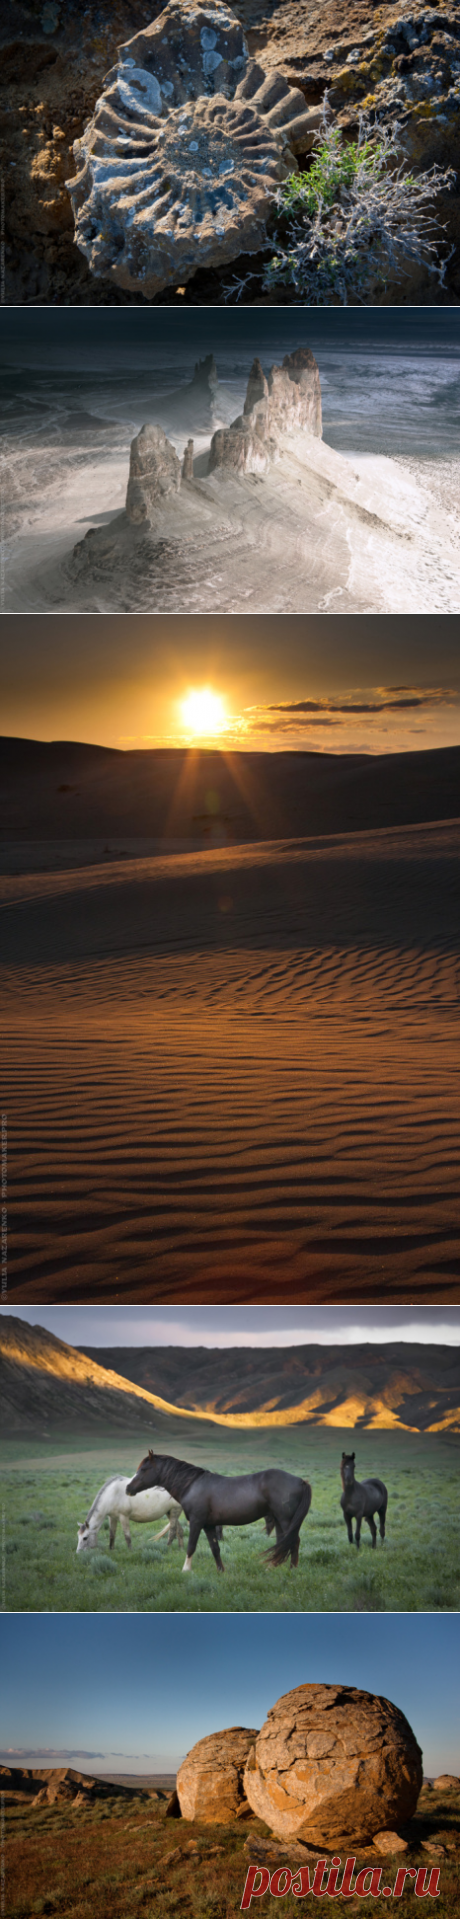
114	1503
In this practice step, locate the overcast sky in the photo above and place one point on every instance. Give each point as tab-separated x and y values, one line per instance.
101	1692
244	1325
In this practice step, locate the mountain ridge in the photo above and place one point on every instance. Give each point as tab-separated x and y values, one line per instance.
406	1386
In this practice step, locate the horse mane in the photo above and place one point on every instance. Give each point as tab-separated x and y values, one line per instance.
102	1489
181	1475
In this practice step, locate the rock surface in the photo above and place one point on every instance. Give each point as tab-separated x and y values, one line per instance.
154	472
445	1780
357	49
329	1762
389	1842
288	401
210	1781
187	144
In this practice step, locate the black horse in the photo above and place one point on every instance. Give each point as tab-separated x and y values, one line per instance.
360	1500
210	1500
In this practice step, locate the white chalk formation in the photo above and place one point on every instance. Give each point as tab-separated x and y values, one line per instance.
288	401
185	149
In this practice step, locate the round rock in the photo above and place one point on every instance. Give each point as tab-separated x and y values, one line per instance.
210	1781
333	1765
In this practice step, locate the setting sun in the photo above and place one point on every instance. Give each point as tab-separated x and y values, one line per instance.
203	711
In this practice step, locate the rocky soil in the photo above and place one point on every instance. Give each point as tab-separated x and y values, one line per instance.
402	63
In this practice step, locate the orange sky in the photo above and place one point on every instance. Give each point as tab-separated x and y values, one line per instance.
122	681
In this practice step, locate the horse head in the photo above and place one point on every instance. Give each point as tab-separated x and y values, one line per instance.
85	1537
347	1468
145	1475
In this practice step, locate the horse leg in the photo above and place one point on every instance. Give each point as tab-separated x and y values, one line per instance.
193	1537
124	1523
357	1531
113	1523
211	1535
382	1518
349	1526
372	1528
174	1531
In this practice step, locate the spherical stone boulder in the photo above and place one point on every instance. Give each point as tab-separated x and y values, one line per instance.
210	1781
333	1765
446	1780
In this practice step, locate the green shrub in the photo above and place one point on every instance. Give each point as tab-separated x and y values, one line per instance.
354	217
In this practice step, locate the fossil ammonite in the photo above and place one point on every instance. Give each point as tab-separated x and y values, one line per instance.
186	147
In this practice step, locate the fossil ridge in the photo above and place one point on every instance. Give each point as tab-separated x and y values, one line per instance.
185	149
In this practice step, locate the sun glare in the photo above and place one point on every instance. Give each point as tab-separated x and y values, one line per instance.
203	712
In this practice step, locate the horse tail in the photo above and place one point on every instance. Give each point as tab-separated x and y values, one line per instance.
277	1554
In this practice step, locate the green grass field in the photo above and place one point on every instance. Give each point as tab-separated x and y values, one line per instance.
416	1570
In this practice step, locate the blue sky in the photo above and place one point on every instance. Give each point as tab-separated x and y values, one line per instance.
134	1692
244	1325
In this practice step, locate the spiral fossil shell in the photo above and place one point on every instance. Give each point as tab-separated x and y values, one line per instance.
187	144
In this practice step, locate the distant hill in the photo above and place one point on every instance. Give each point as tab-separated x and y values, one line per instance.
66	789
45	1383
41	1785
412	1386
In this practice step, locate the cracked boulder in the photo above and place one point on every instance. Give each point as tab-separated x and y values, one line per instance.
286	401
333	1766
187	145
210	1781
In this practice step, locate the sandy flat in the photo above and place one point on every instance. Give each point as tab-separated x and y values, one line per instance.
234	1073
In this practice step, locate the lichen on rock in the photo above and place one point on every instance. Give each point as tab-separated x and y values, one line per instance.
187	145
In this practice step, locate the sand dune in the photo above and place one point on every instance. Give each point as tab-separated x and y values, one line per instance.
234	1073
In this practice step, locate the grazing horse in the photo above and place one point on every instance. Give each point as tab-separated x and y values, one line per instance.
211	1500
360	1500
113	1502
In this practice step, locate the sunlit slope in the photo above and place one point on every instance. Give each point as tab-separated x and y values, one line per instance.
409	1387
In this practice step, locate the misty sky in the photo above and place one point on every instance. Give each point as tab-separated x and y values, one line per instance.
66	334
258	1326
135	1694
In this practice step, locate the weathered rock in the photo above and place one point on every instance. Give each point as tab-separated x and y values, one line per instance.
187	463
287	401
187	144
154	471
445	1780
329	1762
210	1781
389	1842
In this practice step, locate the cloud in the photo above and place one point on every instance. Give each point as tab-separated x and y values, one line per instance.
430	696
52	1752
